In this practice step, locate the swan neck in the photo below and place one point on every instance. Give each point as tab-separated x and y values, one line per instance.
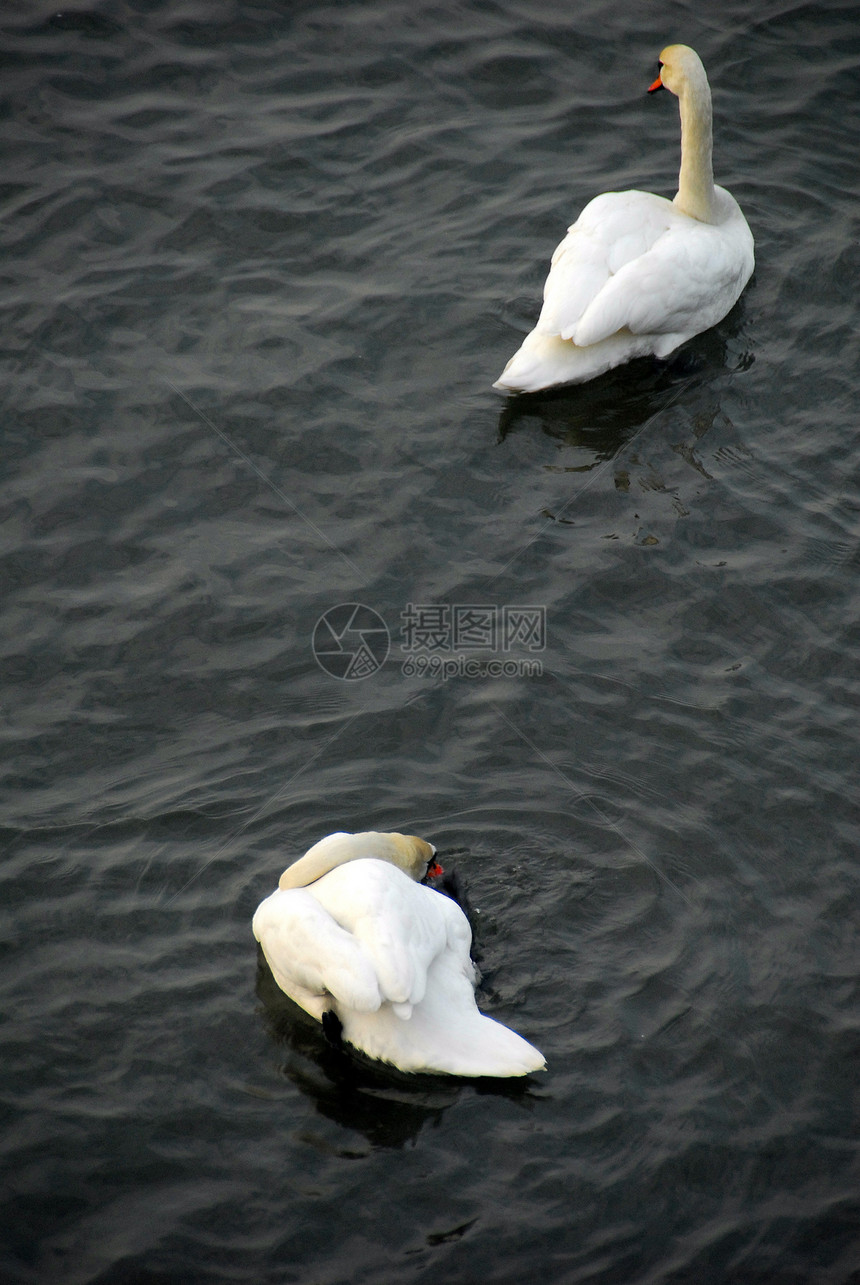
323	857
696	195
409	853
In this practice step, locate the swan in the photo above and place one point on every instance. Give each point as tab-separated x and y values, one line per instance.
638	275
355	939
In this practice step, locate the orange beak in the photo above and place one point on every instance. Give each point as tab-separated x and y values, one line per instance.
434	870
658	84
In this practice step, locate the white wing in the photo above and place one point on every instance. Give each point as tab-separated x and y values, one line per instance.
633	262
311	956
614	229
400	925
683	284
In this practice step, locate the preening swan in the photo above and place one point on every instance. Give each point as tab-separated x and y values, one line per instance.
638	275
351	931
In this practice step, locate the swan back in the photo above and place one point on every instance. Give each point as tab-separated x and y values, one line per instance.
406	851
351	930
391	957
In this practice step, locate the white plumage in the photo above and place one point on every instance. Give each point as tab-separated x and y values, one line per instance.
349	930
638	275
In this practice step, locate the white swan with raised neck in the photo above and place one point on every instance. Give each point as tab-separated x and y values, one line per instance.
638	275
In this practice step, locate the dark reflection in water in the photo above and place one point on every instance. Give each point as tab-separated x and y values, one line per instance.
388	1107
606	413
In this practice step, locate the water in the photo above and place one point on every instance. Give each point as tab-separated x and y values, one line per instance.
261	264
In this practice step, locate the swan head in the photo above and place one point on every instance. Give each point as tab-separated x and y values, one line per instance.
415	857
680	68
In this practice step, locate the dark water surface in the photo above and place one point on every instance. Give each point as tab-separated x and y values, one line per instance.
261	263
